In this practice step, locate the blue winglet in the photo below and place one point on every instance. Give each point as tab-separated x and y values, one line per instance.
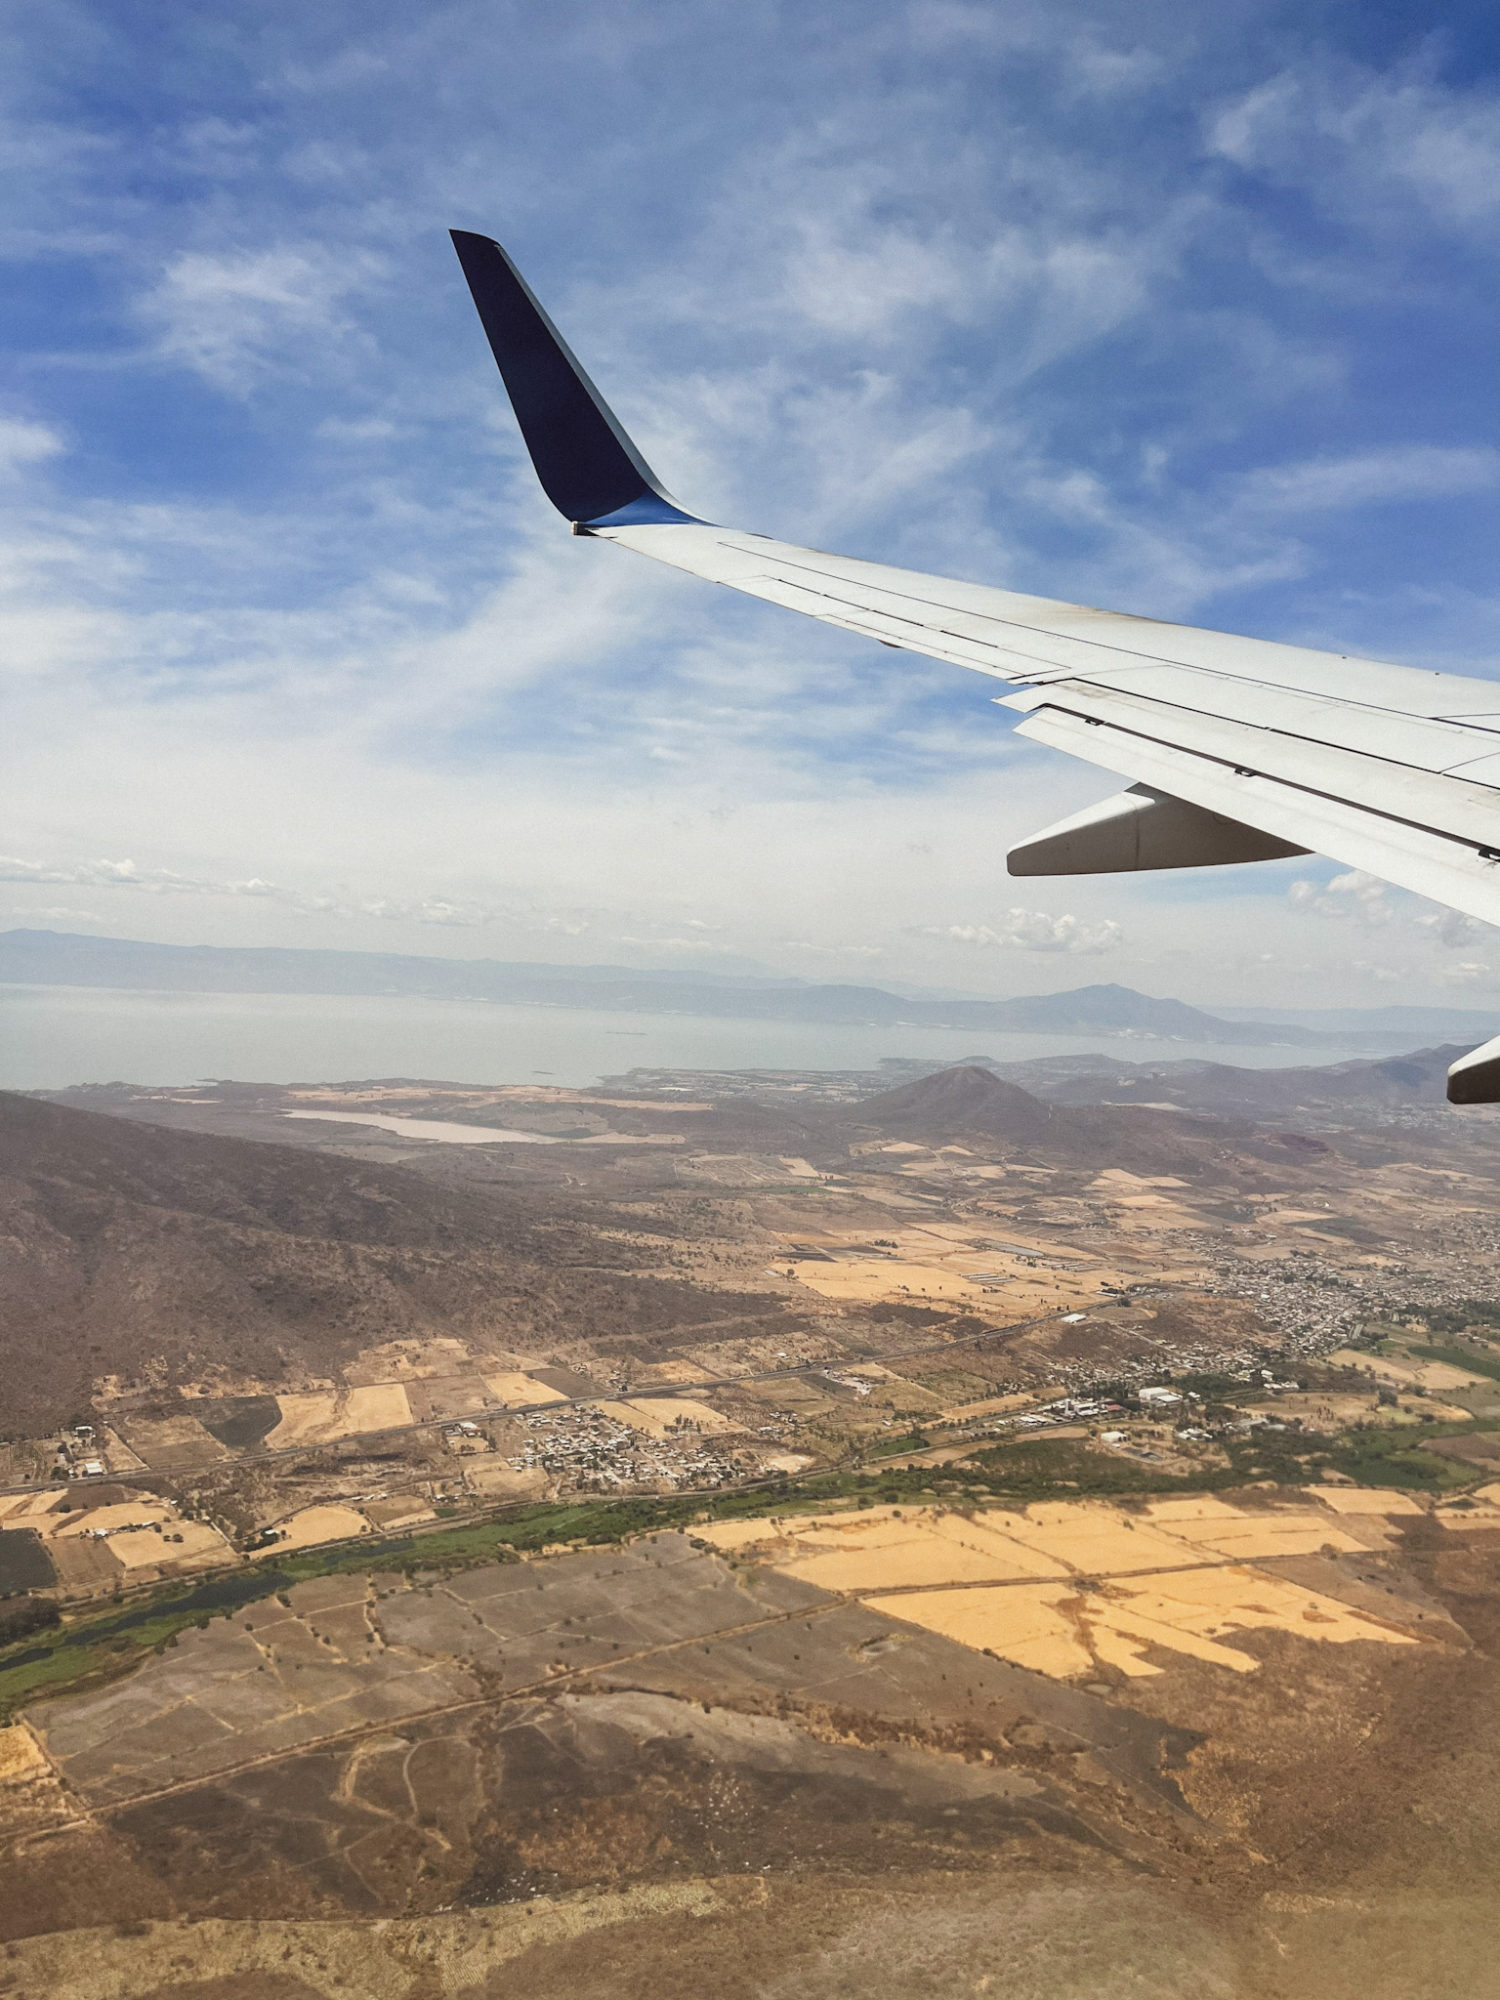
589	469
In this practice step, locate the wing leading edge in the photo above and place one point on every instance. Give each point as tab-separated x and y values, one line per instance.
1233	749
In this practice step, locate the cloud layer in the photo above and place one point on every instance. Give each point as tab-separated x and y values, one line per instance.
1185	312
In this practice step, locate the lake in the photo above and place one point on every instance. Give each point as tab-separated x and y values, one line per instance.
443	1130
54	1036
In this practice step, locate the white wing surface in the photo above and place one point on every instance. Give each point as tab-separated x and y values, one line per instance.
1235	749
1382	767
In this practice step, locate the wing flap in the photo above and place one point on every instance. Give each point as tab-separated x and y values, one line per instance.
1445	801
1416	857
1350	725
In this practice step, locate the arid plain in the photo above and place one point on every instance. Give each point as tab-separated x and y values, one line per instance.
800	1539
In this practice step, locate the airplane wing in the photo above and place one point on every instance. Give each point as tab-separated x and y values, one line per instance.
1233	749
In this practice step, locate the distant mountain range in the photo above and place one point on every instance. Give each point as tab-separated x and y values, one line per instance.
60	958
1324	1094
1451	1022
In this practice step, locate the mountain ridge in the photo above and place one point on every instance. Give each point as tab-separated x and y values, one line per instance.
61	958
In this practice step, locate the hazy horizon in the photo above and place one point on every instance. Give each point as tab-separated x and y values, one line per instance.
751	973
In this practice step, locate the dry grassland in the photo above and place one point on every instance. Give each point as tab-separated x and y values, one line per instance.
986	1406
685	1372
400	1511
656	1416
1029	1624
894	1552
859	1280
303	1419
1056	1629
131	1529
317	1418
519	1392
1407	1374
410	1360
161	1441
1359	1500
312	1525
1252	1537
1068	1587
383	1406
1139	1204
1338	1412
1095	1540
21	1758
1480	1510
117	1454
29	1510
447	1957
31	1795
551	1095
495	1478
945	1261
92	1546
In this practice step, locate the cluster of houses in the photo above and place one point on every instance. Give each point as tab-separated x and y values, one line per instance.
593	1452
78	1455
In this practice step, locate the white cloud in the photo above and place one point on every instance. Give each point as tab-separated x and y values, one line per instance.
54	913
126	875
709	947
238	316
1405	922
1398	473
1034	930
1454	929
1371	145
24	444
445	911
831	950
1354	895
1105	72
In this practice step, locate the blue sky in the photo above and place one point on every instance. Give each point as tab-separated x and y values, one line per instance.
1187	311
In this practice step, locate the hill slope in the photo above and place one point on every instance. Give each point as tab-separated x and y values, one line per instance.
936	1110
130	1250
1415	1081
969	1105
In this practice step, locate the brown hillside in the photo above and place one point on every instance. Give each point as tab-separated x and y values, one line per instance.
935	1110
970	1105
127	1249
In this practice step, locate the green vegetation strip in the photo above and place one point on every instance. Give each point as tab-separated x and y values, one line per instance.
104	1644
101	1645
